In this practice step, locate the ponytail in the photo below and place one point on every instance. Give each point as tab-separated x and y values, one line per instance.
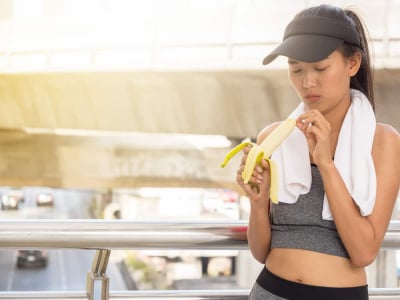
363	80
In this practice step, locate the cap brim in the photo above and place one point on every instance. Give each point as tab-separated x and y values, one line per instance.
306	48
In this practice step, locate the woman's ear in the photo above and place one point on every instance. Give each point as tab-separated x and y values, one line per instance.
354	64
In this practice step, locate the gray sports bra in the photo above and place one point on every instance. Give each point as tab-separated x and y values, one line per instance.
300	225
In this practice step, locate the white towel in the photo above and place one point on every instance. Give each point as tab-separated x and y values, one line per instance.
352	158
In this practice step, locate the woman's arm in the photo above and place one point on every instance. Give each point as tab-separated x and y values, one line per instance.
259	232
362	236
259	229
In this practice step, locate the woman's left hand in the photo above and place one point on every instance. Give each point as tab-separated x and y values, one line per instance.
317	131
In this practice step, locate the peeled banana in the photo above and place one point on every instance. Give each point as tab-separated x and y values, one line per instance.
264	151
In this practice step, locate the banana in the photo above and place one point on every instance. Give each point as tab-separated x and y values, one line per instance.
264	151
254	158
233	152
273	191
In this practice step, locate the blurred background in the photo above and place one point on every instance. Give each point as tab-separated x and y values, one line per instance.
124	109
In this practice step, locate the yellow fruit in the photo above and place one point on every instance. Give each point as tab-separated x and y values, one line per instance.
264	151
277	136
254	157
233	152
273	191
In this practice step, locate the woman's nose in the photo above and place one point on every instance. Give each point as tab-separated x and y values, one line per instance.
309	80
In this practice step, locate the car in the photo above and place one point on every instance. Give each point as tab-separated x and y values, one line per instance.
44	199
9	202
32	258
18	193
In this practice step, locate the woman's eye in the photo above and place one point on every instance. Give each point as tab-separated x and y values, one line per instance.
296	71
320	69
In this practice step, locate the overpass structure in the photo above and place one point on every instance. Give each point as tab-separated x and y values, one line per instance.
101	95
131	129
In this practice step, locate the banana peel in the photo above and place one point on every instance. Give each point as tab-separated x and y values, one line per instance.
263	151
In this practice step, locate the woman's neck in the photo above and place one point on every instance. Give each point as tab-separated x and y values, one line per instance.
335	116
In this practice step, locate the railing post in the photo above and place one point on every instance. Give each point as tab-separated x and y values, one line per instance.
98	274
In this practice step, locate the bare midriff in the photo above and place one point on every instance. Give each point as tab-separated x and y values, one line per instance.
313	268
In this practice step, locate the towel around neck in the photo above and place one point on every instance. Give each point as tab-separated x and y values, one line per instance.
353	158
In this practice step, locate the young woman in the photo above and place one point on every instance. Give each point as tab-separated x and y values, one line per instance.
340	169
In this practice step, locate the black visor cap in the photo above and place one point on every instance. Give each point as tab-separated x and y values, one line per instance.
311	39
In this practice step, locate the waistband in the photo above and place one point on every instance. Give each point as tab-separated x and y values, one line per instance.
297	291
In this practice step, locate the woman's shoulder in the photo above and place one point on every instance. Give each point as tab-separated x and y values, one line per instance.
386	131
387	138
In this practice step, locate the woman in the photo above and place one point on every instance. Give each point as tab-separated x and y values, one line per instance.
331	220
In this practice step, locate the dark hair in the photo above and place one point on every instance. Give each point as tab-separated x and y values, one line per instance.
363	80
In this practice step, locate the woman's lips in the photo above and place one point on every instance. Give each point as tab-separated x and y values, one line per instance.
313	97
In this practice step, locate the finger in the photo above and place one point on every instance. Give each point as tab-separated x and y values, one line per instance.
311	116
255	188
305	122
317	132
316	117
309	121
303	125
263	188
256	178
246	149
243	160
239	172
239	179
265	164
315	122
249	190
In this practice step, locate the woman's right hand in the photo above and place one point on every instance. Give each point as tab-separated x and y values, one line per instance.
257	189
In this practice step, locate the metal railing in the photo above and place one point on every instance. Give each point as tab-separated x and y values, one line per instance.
106	235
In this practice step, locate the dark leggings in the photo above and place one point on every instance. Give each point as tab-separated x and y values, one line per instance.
271	287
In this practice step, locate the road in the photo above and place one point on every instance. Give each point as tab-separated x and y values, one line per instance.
67	268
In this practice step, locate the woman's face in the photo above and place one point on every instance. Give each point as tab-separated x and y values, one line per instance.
324	84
